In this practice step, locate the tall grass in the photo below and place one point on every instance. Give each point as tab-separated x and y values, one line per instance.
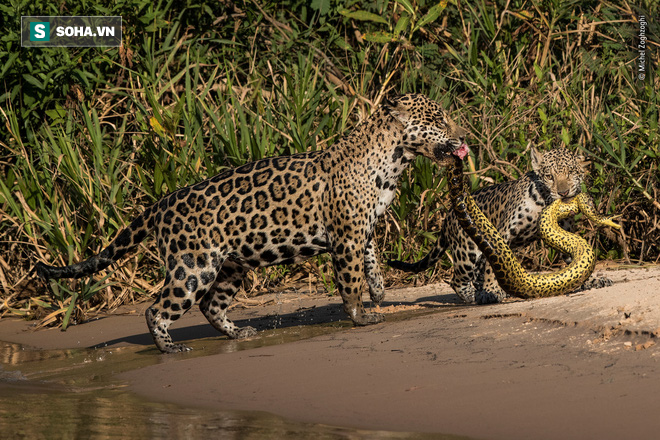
89	136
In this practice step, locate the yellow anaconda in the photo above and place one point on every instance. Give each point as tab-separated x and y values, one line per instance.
508	271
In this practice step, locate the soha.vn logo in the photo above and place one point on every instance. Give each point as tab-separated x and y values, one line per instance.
78	31
40	31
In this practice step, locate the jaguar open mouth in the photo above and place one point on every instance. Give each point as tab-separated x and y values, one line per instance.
461	151
442	156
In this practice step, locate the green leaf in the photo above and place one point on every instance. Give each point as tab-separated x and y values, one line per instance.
342	44
41	303
32	80
56	115
452	51
158	180
542	115
402	24
432	15
649	153
69	310
363	16
323	6
379	37
407	6
565	137
539	72
10	60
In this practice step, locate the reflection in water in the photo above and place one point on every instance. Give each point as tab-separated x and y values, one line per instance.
43	413
46	394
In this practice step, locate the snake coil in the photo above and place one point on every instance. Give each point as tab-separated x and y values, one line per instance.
509	273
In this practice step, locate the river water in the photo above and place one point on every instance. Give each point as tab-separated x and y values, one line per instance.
70	394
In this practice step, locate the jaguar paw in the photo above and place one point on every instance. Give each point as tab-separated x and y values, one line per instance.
369	318
487	297
595	283
246	332
176	348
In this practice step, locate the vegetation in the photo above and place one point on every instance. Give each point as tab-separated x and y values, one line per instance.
92	135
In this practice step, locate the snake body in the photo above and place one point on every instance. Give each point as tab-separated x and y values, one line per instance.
508	271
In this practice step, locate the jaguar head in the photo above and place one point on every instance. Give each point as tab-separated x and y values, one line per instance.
428	129
561	171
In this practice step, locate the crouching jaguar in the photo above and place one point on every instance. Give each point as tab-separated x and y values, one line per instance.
281	210
514	208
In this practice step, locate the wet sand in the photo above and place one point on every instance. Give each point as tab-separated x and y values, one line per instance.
579	366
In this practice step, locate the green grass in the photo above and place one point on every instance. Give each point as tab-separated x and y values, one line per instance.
90	135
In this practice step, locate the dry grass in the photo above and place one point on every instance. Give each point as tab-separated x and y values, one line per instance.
89	136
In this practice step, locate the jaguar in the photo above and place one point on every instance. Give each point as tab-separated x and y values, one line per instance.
282	210
514	208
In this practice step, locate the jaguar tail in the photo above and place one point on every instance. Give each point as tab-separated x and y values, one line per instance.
425	263
127	240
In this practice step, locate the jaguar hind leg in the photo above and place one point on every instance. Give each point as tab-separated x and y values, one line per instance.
176	298
186	282
463	288
216	301
158	326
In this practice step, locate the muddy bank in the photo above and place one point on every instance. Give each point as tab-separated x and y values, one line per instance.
578	366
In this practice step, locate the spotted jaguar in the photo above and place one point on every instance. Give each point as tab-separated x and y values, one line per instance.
282	210
514	208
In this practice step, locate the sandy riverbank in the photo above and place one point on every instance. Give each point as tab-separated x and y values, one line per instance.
579	366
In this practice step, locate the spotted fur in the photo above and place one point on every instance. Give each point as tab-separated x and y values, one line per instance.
281	210
514	208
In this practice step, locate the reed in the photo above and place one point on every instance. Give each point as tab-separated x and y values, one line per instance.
90	135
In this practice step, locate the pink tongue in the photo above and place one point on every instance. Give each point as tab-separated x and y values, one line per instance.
461	151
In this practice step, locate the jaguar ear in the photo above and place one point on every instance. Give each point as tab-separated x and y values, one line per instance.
582	160
536	157
389	102
397	109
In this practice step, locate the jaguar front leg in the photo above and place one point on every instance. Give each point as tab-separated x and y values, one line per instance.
348	261
462	281
489	291
373	274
